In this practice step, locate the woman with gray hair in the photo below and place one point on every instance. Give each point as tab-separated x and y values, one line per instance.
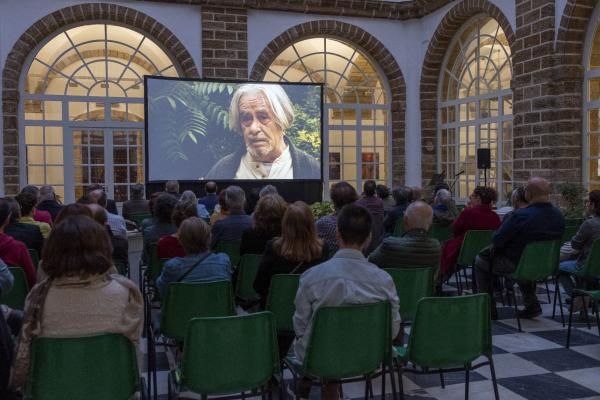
190	197
262	113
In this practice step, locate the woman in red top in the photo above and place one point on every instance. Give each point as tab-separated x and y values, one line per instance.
477	216
169	246
13	252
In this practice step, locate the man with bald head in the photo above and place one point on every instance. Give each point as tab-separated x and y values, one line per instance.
414	248
540	220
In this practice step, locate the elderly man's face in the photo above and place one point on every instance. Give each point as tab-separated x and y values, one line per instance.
262	136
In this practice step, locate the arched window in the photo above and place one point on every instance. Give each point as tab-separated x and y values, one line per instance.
591	102
356	115
82	109
475	107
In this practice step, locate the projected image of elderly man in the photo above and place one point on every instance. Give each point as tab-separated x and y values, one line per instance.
262	113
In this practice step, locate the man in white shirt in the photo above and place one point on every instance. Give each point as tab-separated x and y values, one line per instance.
116	222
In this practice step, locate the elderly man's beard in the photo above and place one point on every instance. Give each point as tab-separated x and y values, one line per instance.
261	153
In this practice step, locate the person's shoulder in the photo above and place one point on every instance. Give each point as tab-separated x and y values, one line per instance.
174	262
226	167
219	258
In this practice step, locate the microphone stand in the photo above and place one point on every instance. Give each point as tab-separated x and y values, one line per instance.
456	180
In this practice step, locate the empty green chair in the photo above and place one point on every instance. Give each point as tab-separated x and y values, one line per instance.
473	242
92	368
399	227
569	232
226	355
139	217
231	248
17	295
447	335
35	257
280	300
412	284
440	232
247	270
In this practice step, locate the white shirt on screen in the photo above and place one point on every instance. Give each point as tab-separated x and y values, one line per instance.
281	168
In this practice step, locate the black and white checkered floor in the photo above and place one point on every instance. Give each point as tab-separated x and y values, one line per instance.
533	364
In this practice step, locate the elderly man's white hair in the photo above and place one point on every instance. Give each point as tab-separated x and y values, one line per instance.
418	215
443	196
276	97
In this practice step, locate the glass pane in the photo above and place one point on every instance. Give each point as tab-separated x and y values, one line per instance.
595	51
594	89
33	110
34	135
78	111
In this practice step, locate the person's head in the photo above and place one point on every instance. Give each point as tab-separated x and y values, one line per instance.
593	202
268	189
210	187
235	198
163	208
189	197
442	196
47	193
382	191
354	225
78	246
182	211
418	215
416	193
152	201
98	213
222	202
518	199
269	213
15	209
4	213
74	209
98	196
27	201
172	187
299	240
440	186
261	113
32	190
483	195
194	235
402	195
137	191
342	193
538	190
369	188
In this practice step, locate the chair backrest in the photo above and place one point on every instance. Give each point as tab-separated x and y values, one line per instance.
412	284
35	257
139	217
450	331
538	261
229	354
440	232
280	300
17	295
231	248
154	264
348	341
573	222
247	270
569	232
473	242
92	368
591	266
399	227
187	300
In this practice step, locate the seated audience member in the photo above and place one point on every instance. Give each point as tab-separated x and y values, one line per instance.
451	204
477	216
347	278
169	246
27	202
163	211
266	224
137	204
38	215
190	197
517	201
538	221
172	188
211	199
48	201
120	245
148	222
111	204
341	193
6	356
416	193
251	200
402	196
375	206
441	209
79	298
220	210
388	200
297	249
266	190
6	280
115	221
199	264
414	248
73	209
29	234
231	227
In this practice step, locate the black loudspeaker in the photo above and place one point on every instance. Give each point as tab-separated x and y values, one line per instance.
483	159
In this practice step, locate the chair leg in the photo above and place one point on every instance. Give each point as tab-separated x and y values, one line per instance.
383	365
585	313
570	320
442	379
400	383
458	282
554	304
516	310
494	382
391	369
547	290
562	314
467	369
595	309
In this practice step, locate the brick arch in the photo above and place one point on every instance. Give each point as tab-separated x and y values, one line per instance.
572	31
372	47
48	26
432	66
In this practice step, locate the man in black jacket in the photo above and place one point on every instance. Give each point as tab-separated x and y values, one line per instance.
48	201
29	234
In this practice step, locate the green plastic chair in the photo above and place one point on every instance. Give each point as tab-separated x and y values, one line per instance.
35	257
93	368
17	295
440	232
231	248
347	342
569	232
230	354
473	242
399	227
280	300
244	288
139	217
412	284
573	221
447	335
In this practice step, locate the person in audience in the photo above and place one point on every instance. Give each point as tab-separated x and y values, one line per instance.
148	222
477	216
38	215
190	197
27	201
266	224
29	234
73	209
220	211
79	298
172	188
211	199
120	245
6	280
402	196
231	227
414	248
347	278
341	193
169	246
6	355
370	201
442	214
450	203
388	200
538	221
517	201
115	221
267	189
416	193
163	211
111	204
137	204
199	264
48	201
252	200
